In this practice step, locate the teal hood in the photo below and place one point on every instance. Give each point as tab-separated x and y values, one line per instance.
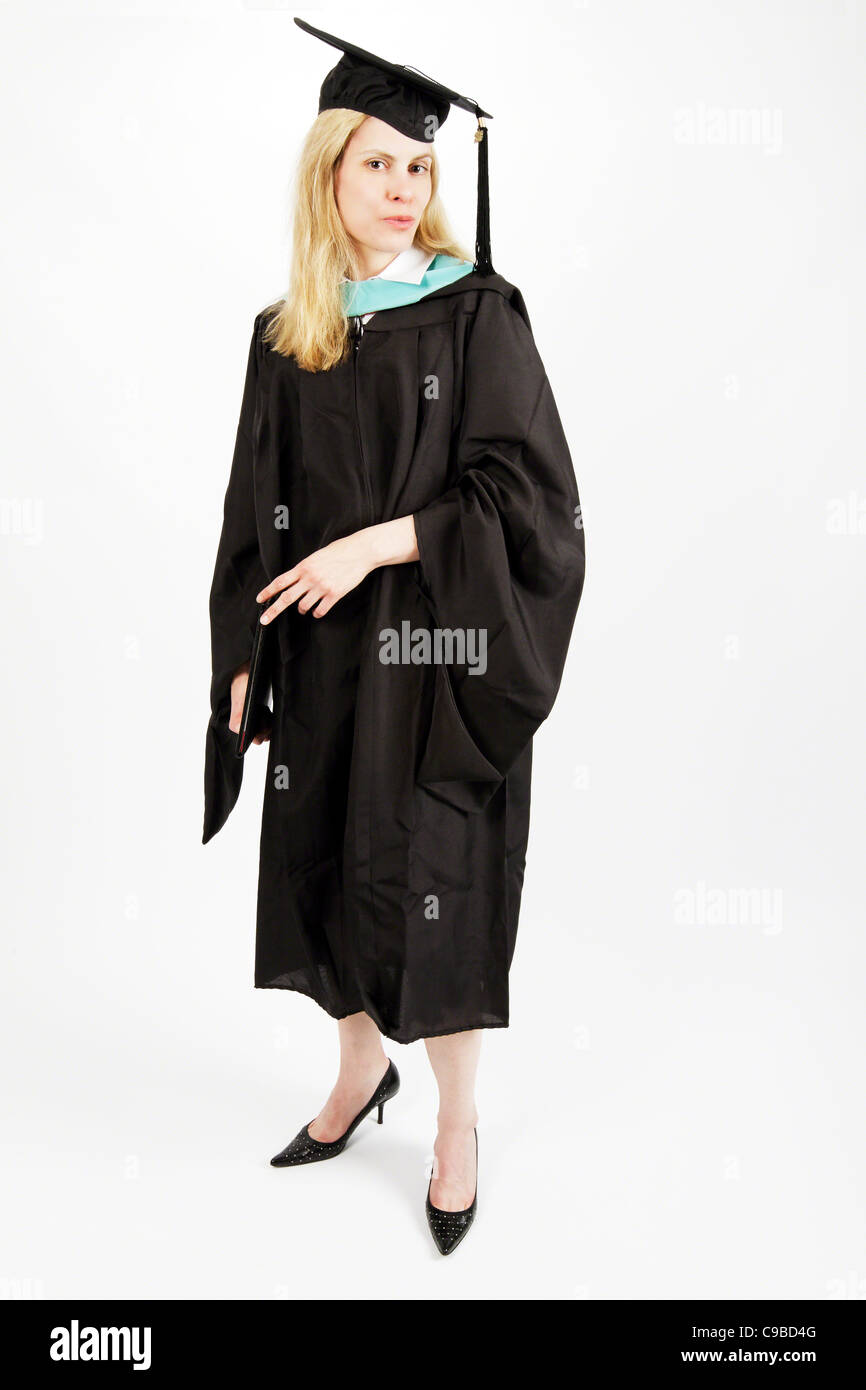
366	296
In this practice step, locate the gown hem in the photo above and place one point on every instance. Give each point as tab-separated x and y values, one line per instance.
397	1035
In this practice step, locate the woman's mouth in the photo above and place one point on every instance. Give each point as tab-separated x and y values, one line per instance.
399	221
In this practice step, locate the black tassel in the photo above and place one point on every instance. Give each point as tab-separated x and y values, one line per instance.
483	263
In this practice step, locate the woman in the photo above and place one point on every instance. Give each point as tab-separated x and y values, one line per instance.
402	502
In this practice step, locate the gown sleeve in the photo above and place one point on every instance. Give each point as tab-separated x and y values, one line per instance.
503	550
238	577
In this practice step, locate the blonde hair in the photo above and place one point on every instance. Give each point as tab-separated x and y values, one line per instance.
309	323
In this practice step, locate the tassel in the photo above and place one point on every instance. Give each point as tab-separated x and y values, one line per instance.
483	263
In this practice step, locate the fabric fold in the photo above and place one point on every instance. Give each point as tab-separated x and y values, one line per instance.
501	551
238	576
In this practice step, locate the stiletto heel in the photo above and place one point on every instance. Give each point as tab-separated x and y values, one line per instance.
305	1149
449	1227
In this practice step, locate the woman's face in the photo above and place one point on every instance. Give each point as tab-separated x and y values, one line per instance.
383	184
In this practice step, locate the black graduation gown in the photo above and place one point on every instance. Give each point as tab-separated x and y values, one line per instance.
391	865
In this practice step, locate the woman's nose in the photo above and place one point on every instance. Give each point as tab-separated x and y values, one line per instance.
400	188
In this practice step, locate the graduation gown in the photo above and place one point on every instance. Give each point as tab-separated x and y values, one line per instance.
397	800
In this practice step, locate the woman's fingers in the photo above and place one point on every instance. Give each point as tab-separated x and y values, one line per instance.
317	583
264	732
309	594
238	696
276	586
313	594
325	606
295	591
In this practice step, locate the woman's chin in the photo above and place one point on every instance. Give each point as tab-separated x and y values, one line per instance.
396	233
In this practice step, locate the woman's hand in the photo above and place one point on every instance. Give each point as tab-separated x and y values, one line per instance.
239	694
240	680
328	574
322	578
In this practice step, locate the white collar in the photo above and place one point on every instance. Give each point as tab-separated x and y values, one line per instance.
407	266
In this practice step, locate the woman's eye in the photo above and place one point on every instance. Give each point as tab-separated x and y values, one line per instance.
421	167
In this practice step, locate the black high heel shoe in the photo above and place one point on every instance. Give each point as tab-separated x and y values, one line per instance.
305	1149
449	1227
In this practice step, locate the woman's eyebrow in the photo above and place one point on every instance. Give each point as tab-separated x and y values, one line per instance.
383	154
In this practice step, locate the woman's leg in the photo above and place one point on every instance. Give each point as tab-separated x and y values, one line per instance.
454	1060
362	1065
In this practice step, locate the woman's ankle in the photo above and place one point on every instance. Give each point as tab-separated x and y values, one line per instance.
451	1124
368	1067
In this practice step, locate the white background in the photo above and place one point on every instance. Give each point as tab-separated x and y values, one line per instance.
676	1110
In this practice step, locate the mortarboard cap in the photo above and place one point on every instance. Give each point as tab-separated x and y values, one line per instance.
412	103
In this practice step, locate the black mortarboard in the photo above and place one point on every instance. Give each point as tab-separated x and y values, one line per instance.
406	99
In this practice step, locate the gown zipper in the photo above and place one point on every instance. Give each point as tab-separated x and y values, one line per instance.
358	333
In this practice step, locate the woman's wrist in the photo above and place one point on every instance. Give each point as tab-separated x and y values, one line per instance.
391	542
